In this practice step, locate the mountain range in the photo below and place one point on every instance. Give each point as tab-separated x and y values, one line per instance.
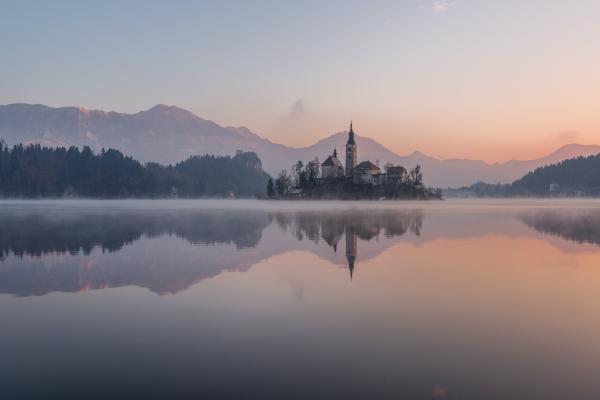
169	134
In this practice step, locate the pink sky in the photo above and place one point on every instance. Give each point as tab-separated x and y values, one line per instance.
451	78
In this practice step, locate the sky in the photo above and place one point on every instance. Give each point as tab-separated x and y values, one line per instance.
492	80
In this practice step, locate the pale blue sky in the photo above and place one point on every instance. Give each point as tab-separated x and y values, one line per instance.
465	78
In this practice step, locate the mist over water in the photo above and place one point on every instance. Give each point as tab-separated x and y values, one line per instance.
453	299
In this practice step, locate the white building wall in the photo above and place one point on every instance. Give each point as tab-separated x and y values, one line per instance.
332	172
364	176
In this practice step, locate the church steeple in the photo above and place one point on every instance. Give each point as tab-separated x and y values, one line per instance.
350	153
351	135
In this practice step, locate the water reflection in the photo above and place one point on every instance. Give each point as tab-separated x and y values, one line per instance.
581	226
71	251
391	302
351	225
38	233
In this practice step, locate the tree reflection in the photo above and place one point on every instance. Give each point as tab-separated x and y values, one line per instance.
354	224
35	234
581	226
46	238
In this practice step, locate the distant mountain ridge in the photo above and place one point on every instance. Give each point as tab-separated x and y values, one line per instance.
169	134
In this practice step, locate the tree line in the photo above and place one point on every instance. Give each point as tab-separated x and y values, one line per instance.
300	175
577	176
35	171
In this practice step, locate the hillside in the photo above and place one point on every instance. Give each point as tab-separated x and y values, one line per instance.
576	176
168	134
34	171
573	177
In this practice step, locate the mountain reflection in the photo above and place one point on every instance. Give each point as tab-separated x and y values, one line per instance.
167	251
71	251
581	226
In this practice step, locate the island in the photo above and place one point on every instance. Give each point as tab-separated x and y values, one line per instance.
330	180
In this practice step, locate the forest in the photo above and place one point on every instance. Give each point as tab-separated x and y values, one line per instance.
35	171
573	177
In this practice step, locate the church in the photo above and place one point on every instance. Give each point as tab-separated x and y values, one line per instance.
364	172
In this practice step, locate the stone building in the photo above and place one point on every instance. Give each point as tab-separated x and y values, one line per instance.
365	172
332	167
396	174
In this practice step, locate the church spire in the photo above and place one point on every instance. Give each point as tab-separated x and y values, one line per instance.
351	135
350	153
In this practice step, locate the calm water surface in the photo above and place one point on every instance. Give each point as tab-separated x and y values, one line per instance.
235	299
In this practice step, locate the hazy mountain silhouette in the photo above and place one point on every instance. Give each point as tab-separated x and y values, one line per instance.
169	134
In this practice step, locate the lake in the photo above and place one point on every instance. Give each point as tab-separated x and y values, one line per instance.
247	299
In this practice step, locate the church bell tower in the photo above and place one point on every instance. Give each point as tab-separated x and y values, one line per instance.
350	153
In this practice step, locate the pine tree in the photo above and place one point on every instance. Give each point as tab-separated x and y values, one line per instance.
36	171
270	188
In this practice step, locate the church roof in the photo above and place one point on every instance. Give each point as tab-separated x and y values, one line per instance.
332	161
367	165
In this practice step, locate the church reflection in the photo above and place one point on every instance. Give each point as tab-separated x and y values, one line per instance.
167	251
351	237
74	251
366	226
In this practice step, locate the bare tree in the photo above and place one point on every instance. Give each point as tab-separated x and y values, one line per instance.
283	183
296	171
313	169
416	176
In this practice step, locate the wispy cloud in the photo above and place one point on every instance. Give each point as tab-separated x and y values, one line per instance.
570	135
297	109
297	123
441	6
